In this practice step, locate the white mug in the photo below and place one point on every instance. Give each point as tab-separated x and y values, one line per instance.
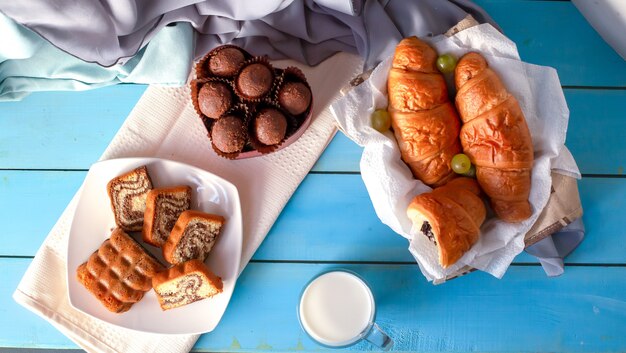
337	309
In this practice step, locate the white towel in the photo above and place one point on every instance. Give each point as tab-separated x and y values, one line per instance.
163	124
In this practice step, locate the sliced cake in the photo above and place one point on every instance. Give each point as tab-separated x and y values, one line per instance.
128	194
119	273
192	237
163	207
185	283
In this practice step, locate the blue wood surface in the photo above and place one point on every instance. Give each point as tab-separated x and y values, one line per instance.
48	140
310	221
554	33
63	130
582	311
595	135
30	139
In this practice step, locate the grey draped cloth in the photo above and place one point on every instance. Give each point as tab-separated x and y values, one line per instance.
110	32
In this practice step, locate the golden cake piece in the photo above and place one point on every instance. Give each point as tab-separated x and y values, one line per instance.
185	283
119	273
163	206
193	236
128	194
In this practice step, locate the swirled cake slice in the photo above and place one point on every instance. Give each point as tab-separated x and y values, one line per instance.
128	198
185	283
163	206
192	237
119	273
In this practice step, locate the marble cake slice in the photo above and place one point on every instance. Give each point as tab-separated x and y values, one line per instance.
192	237
185	283
128	194
119	273
163	207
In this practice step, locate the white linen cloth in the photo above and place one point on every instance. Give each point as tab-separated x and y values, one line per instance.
163	124
392	187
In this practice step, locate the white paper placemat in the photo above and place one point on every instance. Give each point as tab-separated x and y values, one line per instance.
163	124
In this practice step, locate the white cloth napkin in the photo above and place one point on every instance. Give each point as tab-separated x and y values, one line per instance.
163	124
391	185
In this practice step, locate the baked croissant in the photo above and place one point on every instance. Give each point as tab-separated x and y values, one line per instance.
495	137
450	216
423	119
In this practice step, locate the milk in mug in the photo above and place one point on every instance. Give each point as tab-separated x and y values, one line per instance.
336	308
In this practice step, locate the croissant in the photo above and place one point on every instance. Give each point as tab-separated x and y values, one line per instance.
423	119
450	216
495	137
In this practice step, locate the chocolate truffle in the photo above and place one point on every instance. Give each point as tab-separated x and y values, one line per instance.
229	134
226	62
295	97
270	126
255	80
214	99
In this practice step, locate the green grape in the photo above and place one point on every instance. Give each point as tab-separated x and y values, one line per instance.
381	121
460	163
471	172
446	63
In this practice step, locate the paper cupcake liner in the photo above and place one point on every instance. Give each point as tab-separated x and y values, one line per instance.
195	86
202	69
278	82
243	112
293	74
255	60
254	141
293	122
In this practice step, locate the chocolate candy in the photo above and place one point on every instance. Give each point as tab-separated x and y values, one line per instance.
295	97
226	62
255	81
214	99
229	134
270	126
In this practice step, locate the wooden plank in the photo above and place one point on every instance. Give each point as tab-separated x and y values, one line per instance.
298	235
582	311
596	129
310	227
33	135
20	327
30	204
341	155
63	130
554	33
594	135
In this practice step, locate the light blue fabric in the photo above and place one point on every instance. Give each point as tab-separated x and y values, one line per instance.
553	249
29	63
37	55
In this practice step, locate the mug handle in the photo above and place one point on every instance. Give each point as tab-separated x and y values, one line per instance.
379	338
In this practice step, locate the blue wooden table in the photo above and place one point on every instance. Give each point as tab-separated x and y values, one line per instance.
49	140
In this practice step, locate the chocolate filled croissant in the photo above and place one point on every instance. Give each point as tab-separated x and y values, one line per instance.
450	216
495	136
423	119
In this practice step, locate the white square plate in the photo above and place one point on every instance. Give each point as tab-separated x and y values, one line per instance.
94	220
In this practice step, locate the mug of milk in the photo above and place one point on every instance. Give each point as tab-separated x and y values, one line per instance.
337	310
